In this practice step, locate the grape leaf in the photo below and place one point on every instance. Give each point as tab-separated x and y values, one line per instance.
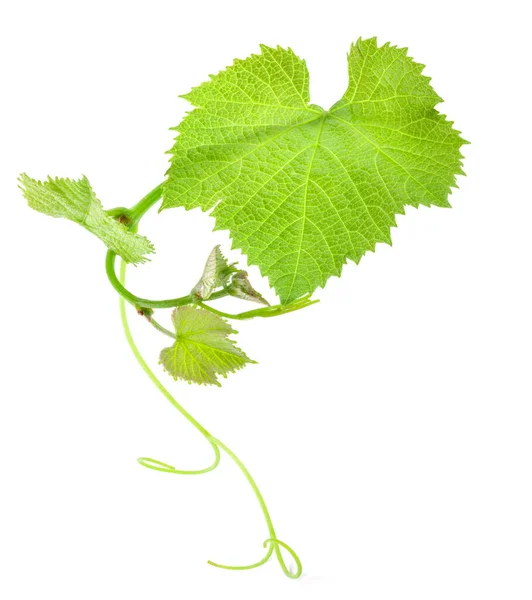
76	200
202	349
302	189
241	288
216	274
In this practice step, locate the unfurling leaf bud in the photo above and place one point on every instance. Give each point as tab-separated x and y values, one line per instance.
241	288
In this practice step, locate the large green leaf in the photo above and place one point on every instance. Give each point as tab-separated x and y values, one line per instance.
302	189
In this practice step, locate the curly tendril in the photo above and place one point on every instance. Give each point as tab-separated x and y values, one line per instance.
272	543
157	465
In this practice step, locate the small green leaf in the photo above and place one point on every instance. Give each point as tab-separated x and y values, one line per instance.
216	274
241	288
202	349
75	200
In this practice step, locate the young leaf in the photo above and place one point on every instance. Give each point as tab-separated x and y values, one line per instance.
241	288
302	189
216	274
75	200
202	349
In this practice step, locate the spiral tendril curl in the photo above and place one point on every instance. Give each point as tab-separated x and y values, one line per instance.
273	544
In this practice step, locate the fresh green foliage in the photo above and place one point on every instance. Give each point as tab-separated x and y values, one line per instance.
241	288
302	189
216	275
75	200
202	349
219	274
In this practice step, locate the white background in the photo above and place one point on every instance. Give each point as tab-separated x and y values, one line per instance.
388	427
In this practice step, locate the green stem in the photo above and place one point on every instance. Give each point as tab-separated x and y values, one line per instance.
143	206
146	302
162	329
144	364
133	216
274	544
266	311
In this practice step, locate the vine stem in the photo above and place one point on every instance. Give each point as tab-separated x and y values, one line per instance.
132	217
265	311
137	302
144	205
145	302
273	544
